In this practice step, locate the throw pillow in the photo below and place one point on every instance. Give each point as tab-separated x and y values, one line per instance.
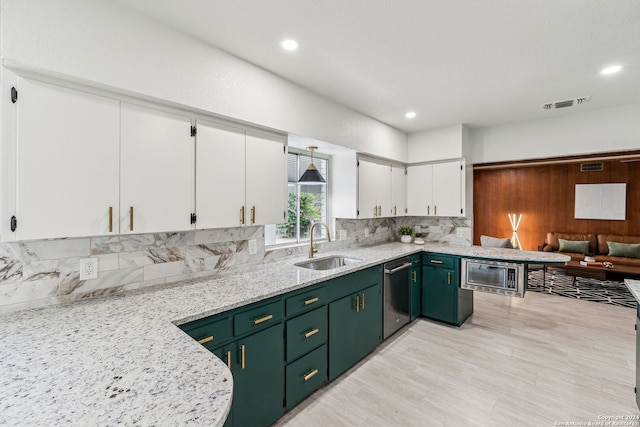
628	250
574	246
494	242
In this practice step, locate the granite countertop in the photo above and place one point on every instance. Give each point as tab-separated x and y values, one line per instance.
122	360
634	287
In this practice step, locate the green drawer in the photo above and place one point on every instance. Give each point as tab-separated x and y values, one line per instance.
306	301
306	332
306	375
210	331
438	260
258	317
350	283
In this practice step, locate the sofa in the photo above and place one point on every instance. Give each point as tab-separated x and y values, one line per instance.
604	247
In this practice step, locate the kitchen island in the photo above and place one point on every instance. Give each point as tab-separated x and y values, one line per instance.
122	360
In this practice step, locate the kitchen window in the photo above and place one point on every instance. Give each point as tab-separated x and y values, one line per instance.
307	202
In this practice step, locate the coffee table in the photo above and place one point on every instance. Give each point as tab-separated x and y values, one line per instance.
575	269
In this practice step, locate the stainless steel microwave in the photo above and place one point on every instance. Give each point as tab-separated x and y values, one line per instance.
505	278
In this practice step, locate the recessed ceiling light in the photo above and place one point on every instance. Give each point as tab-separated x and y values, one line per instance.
410	115
611	70
289	45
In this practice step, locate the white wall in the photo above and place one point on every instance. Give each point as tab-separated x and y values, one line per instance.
611	129
435	144
105	45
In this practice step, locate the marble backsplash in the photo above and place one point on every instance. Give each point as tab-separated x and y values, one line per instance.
46	272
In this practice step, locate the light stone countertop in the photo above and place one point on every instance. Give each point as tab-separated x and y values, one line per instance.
122	360
634	287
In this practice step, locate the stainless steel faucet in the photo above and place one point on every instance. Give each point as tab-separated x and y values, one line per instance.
313	250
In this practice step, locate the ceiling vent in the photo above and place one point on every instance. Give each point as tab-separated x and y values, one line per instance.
592	167
566	103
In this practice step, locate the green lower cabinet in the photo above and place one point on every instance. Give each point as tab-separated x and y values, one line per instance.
355	328
415	287
439	294
257	365
306	375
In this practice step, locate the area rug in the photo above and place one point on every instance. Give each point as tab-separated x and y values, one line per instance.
603	291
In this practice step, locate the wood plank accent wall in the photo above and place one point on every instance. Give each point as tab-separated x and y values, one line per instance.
545	195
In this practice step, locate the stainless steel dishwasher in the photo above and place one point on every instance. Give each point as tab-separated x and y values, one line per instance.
396	296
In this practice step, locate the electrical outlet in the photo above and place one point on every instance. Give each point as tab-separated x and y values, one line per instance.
343	234
253	247
366	232
88	268
460	232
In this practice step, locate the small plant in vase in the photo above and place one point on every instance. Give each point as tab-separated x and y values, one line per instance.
405	233
419	239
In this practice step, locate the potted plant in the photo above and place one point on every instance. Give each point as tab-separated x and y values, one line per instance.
419	239
405	233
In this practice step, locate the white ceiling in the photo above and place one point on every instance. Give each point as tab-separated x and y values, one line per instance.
479	62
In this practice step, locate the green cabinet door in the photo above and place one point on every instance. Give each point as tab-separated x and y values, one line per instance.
439	294
415	287
355	328
257	365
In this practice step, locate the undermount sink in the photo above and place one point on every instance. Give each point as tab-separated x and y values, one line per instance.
328	263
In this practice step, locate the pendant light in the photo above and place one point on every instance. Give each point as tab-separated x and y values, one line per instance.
312	175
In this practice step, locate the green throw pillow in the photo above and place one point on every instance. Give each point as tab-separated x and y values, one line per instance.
628	250
575	246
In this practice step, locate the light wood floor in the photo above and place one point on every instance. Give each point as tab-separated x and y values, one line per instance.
517	362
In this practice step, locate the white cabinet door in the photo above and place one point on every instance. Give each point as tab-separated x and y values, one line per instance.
368	181
447	189
266	174
220	175
420	190
156	171
398	190
67	162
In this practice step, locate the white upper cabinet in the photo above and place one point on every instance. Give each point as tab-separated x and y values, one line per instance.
157	162
420	190
436	189
220	177
240	177
67	163
266	179
398	190
447	189
374	189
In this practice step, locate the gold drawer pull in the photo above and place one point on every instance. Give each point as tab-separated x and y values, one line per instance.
130	218
311	332
311	301
448	277
253	215
229	359
263	319
110	219
436	261
242	215
205	340
362	302
414	276
357	303
310	375
242	356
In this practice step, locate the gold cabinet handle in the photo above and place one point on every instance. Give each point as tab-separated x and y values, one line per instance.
375	211
311	301
110	219
311	333
357	303
242	356
380	210
362	302
448	277
262	319
435	210
131	218
310	375
436	261
253	214
428	209
242	215
395	210
414	277
205	340
229	359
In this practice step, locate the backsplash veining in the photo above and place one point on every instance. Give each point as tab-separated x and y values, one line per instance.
46	272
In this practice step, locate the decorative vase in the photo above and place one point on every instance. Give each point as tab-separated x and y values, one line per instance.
405	239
